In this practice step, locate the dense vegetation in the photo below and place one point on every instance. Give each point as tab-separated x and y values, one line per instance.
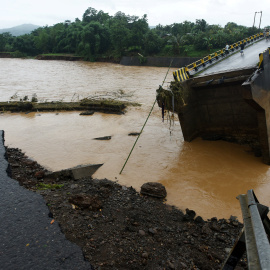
100	35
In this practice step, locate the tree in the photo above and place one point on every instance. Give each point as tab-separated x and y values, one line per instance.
207	42
25	44
200	26
6	40
176	41
41	41
95	39
152	43
138	28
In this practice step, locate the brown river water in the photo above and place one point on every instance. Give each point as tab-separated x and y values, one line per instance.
202	175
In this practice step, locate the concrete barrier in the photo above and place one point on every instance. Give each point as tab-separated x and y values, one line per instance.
158	61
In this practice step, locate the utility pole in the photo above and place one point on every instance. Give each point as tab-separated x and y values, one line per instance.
254	19
260	19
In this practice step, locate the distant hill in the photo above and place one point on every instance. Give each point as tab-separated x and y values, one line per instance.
20	29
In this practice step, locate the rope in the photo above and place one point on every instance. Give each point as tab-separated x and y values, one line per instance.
145	122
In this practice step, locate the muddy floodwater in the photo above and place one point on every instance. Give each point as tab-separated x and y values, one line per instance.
202	175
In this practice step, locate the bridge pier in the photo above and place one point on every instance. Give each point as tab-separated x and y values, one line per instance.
257	93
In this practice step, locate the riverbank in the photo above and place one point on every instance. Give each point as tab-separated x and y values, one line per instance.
118	228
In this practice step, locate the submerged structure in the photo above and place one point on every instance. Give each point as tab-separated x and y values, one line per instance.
233	105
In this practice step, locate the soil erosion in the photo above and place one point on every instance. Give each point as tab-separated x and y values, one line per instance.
118	228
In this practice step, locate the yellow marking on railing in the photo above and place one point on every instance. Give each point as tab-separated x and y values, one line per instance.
261	57
180	75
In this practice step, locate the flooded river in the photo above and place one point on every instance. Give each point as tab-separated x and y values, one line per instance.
202	175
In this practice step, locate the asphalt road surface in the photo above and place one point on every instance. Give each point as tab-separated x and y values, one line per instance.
236	61
28	240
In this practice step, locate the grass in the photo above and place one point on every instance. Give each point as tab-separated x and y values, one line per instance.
42	186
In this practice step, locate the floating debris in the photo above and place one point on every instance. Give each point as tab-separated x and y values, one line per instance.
105	138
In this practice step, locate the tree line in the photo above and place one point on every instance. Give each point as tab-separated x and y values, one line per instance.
98	35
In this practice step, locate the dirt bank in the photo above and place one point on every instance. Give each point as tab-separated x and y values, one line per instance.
65	57
117	228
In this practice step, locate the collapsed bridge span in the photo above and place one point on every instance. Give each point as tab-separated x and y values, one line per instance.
232	105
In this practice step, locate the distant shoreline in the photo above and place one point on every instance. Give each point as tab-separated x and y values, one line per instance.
155	61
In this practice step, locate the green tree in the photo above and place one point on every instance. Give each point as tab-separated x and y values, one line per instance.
138	28
25	44
177	41
41	41
6	40
152	43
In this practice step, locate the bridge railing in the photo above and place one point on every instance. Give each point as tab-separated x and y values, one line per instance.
195	66
253	239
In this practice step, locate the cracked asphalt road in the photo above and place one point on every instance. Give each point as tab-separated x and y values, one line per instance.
28	239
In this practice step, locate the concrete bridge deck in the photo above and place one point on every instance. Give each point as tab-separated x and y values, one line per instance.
236	61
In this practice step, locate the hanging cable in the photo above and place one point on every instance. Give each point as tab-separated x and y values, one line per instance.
145	121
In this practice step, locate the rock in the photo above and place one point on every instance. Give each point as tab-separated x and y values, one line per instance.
134	134
191	213
87	113
235	223
221	238
83	201
199	219
206	229
39	174
152	231
154	189
171	265
183	265
145	255
142	233
29	162
215	227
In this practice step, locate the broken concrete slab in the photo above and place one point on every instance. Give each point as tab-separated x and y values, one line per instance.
87	113
80	171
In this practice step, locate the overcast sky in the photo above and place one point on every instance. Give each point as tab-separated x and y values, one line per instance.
164	12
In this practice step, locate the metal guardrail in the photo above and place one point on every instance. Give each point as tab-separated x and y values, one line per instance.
254	237
214	56
184	73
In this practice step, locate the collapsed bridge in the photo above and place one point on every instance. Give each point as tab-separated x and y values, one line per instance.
225	97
